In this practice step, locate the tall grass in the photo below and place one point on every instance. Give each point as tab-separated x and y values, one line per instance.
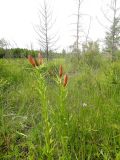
42	119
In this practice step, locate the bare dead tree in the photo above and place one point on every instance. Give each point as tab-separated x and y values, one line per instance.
80	32
46	38
78	23
3	43
78	15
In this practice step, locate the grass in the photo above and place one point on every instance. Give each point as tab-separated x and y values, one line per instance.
41	119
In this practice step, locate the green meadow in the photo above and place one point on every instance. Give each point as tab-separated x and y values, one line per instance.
40	119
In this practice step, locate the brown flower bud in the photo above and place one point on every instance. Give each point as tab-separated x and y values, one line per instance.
32	60
65	80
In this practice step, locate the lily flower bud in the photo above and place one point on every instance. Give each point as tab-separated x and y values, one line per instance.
32	60
65	80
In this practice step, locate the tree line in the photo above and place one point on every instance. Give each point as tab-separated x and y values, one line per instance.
23	53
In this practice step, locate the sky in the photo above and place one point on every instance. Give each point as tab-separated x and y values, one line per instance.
19	17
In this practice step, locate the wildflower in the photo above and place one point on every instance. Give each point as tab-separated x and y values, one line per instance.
84	105
60	71
32	60
65	80
40	59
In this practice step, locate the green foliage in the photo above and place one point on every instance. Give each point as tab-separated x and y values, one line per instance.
16	53
22	53
2	52
116	55
113	37
44	120
3	43
94	60
91	46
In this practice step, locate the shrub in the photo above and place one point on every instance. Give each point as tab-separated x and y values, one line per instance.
2	53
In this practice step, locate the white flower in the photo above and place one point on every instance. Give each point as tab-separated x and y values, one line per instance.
84	105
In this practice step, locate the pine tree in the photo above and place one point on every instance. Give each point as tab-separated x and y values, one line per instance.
112	39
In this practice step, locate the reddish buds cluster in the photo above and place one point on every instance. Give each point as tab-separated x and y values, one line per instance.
65	81
35	62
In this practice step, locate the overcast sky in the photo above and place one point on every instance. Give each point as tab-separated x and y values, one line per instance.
17	18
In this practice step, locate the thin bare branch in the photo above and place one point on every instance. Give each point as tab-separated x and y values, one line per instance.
105	16
105	27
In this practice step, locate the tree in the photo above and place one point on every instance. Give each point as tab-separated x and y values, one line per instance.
46	38
80	31
63	51
78	23
76	43
112	39
91	47
3	43
91	54
74	49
